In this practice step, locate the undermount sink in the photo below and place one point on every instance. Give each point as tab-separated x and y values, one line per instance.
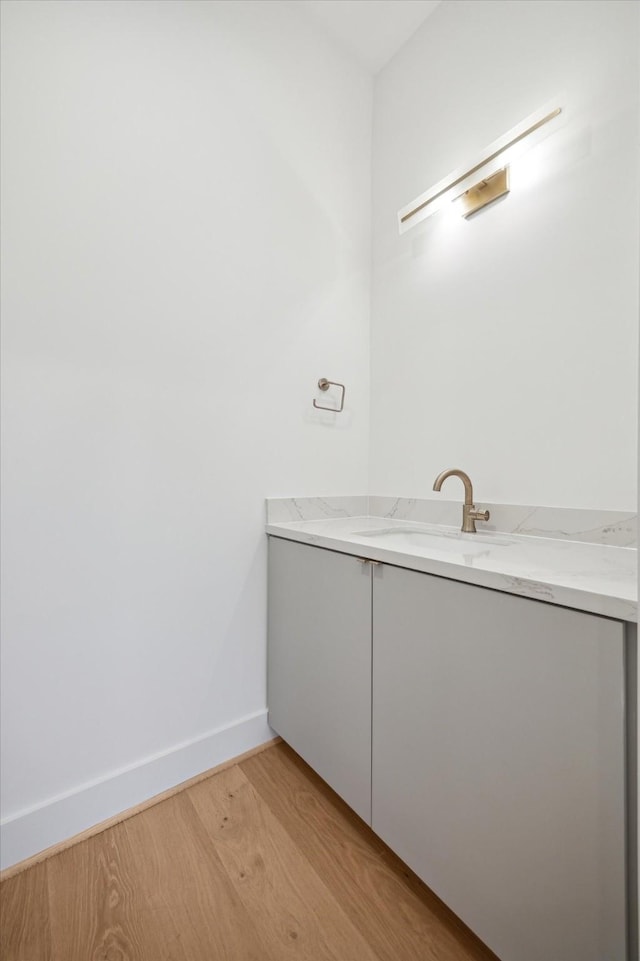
454	542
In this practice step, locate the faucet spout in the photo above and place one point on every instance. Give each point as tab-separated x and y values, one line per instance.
466	480
469	513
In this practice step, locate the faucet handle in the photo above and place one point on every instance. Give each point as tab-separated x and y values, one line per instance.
479	515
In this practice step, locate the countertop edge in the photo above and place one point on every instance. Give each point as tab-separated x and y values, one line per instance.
547	591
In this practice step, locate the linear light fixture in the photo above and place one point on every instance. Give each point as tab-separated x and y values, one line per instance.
494	159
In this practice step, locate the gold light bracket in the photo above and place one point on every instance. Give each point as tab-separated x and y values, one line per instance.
484	193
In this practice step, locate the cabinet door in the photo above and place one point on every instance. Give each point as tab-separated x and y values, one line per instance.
498	762
319	664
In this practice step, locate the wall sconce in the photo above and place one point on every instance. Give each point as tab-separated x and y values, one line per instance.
461	186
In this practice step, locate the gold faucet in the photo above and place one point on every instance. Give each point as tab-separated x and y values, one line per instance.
469	513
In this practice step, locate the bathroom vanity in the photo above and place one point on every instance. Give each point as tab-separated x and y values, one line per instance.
478	723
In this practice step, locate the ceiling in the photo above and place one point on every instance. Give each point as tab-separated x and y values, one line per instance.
371	30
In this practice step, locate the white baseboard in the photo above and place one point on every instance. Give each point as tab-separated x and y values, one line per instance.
32	830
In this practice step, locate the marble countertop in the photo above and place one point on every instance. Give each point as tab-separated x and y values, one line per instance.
595	577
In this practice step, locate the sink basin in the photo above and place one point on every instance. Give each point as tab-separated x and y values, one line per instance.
451	542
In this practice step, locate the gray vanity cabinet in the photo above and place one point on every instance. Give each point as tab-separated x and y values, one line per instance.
480	733
319	664
498	762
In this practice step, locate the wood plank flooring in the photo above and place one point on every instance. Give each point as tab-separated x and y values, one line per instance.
260	862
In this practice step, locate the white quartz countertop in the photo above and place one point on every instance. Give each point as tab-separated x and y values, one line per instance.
598	578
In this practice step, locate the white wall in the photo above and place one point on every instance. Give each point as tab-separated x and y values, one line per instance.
186	194
507	345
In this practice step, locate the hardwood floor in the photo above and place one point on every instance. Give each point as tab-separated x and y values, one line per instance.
260	862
